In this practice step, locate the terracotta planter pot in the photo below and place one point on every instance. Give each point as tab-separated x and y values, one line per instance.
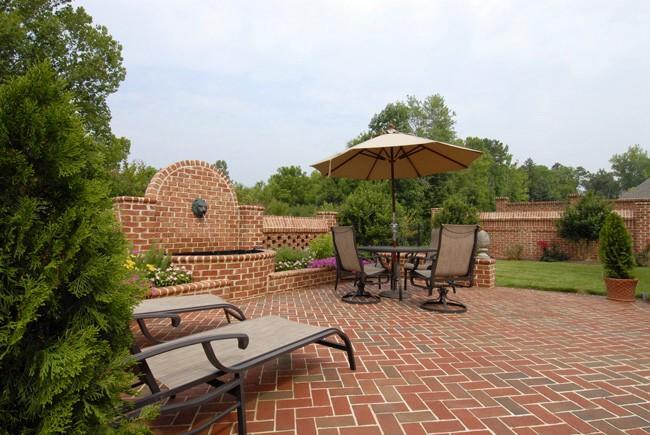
621	290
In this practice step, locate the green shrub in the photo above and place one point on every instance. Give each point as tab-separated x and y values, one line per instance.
643	258
65	298
553	253
368	209
290	259
514	252
584	221
456	211
616	248
154	256
322	246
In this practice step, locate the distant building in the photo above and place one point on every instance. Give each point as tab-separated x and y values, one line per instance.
641	191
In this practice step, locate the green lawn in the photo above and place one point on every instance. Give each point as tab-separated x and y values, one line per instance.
561	276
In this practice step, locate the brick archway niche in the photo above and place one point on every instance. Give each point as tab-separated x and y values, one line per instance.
224	245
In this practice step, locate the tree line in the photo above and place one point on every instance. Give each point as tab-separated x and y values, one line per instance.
293	191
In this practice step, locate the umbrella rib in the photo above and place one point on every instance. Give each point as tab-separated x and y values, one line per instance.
369	153
412	164
446	157
345	161
372	168
415	150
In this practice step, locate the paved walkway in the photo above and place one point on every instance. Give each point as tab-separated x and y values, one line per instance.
519	361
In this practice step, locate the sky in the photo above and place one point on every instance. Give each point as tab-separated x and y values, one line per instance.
265	84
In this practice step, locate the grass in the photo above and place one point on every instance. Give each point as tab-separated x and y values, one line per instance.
561	276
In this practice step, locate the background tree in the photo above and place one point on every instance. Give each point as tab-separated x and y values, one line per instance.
455	210
549	184
632	167
602	183
582	222
131	179
222	166
65	304
368	209
84	54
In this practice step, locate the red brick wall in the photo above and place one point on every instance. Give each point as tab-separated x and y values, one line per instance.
174	188
246	273
526	223
300	279
251	226
137	217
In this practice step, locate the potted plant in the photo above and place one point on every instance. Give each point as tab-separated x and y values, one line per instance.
617	259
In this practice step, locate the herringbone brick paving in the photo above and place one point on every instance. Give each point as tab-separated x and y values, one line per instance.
519	361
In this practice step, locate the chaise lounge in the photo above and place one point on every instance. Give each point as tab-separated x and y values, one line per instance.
171	307
220	358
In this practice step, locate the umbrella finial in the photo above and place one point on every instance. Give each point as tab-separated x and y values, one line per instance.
391	128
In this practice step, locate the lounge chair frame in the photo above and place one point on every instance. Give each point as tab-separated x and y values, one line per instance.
173	313
234	384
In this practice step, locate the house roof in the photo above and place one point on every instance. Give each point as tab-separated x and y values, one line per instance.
640	191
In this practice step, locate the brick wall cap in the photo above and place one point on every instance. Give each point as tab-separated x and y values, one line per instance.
135	199
180	259
537	215
485	260
251	207
156	292
280	224
306	271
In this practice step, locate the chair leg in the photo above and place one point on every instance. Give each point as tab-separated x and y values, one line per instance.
241	409
443	304
360	296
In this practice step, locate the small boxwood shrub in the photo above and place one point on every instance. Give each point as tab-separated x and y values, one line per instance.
616	248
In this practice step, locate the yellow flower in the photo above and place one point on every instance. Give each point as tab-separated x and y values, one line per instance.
151	267
129	264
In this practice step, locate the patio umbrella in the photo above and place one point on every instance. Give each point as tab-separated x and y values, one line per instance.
395	155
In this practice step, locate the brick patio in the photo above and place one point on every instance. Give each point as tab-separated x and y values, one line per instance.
519	361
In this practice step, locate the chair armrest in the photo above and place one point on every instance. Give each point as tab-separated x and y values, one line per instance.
175	318
190	340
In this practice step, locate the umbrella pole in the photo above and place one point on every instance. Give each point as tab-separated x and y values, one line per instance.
392	190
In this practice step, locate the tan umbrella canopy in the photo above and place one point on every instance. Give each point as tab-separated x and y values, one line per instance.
397	155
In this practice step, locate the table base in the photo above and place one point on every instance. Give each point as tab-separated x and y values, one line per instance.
391	294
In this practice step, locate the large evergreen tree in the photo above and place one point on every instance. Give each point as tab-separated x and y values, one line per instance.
65	303
81	52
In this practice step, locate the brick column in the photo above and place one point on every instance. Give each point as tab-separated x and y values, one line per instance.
641	233
251	225
485	273
328	216
501	203
137	218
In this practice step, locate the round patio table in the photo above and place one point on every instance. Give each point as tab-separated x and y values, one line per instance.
395	291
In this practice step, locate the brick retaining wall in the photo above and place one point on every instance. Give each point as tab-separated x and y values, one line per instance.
526	223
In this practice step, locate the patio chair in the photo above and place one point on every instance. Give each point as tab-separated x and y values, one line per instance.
220	358
349	262
170	307
415	261
452	267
